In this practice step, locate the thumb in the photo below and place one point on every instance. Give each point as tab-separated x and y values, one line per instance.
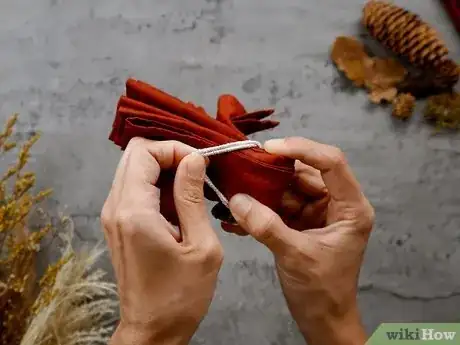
262	223
189	199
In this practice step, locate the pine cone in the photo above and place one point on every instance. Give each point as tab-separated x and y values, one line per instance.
403	105
408	36
448	71
426	84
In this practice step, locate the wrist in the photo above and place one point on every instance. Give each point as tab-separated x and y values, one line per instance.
142	335
326	328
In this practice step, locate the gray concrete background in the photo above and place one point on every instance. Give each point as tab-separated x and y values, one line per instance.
63	66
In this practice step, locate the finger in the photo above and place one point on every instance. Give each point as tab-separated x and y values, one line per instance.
147	158
189	200
309	180
234	229
300	213
330	161
291	203
313	215
139	170
143	161
262	223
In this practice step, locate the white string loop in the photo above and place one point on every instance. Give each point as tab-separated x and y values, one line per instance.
221	149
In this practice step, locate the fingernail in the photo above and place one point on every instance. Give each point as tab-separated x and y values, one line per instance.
240	205
196	166
272	144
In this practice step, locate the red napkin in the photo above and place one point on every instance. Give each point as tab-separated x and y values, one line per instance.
453	8
148	112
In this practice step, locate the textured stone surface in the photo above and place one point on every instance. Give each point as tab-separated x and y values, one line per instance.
63	67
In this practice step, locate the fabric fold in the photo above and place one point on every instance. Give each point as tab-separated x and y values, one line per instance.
146	111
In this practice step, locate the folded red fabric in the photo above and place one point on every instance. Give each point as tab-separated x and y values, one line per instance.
453	8
146	111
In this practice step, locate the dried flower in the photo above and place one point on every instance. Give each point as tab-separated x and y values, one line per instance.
24	299
403	105
444	110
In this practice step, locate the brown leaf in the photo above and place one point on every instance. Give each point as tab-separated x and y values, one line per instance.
380	76
347	48
383	95
384	73
355	71
349	56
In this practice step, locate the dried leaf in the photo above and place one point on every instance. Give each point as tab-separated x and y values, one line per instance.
385	74
350	56
347	48
355	71
378	96
380	76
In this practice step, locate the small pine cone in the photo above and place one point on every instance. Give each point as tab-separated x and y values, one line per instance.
403	105
404	33
448	71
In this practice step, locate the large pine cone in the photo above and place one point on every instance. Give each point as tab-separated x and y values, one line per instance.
405	34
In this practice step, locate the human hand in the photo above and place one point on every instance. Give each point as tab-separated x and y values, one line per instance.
166	278
319	268
304	204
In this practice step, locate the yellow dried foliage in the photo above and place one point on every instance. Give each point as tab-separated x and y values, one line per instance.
18	246
23	295
379	76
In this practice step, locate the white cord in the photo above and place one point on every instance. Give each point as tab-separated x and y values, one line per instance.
226	148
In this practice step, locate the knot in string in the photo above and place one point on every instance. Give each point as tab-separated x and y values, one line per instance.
226	148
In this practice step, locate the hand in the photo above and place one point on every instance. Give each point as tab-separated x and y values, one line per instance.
303	206
166	278
319	268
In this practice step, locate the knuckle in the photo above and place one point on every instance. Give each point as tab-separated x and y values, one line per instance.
124	221
174	143
364	216
169	146
368	215
211	253
106	216
162	152
136	142
337	156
